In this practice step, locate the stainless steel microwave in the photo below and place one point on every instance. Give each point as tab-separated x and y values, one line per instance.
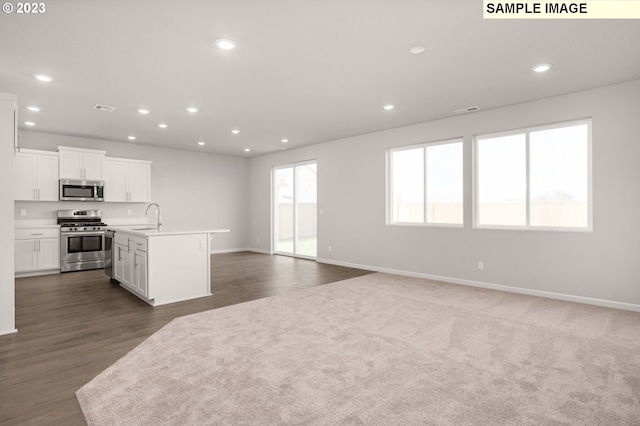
81	190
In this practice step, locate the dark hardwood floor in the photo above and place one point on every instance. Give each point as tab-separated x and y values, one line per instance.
72	326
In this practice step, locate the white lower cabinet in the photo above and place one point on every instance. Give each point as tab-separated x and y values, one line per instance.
37	249
130	263
139	273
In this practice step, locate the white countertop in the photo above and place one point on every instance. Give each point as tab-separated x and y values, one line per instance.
144	231
44	223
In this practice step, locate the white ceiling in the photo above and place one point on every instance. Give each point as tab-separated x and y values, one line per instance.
307	70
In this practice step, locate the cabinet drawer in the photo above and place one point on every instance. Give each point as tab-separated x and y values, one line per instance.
36	233
139	244
130	241
120	238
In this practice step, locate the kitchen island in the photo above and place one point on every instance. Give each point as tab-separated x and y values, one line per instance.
164	265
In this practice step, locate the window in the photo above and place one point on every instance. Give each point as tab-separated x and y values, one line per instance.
535	178
425	184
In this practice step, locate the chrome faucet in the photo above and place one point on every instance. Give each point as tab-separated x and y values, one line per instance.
159	214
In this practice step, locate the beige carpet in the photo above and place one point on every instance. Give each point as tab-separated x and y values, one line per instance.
380	350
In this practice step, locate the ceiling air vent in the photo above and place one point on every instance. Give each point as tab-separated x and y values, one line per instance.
468	109
104	108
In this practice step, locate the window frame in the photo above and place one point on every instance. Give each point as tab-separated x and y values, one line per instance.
527	131
389	173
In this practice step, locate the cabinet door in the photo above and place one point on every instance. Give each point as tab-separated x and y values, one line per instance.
49	253
123	268
115	181
139	278
24	166
93	164
26	257
47	177
71	165
140	182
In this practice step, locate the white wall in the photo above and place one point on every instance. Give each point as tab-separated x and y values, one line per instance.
195	189
7	290
603	264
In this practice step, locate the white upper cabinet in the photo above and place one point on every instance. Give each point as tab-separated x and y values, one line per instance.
77	163
127	180
36	175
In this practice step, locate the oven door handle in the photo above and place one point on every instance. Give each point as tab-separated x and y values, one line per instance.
81	233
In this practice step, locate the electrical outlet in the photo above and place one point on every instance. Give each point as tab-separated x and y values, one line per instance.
203	245
129	212
481	265
329	248
258	240
23	212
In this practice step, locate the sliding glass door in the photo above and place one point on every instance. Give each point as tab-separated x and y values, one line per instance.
295	209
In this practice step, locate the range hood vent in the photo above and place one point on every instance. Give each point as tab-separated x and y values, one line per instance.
107	108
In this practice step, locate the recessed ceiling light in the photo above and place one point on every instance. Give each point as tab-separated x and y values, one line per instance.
541	68
163	125
200	143
247	149
131	138
43	77
235	131
33	108
416	50
144	111
225	44
192	109
389	107
285	140
29	123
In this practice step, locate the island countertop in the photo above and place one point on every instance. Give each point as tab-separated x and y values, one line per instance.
151	231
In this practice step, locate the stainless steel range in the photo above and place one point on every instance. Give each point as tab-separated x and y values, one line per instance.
81	240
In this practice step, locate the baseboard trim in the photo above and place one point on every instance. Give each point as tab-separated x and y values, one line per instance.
255	250
540	293
236	250
2	333
36	273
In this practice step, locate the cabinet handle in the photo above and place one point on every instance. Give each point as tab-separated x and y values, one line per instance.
119	253
38	234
